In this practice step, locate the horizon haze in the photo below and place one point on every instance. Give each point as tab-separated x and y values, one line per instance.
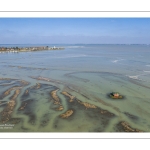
74	30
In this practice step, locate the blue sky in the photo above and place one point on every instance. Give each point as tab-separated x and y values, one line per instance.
74	30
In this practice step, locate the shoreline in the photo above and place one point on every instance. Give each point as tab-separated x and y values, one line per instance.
27	49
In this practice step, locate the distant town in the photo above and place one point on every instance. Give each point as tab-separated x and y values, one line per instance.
26	49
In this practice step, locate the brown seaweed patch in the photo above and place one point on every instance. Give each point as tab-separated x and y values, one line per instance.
6	113
26	106
77	91
46	79
37	86
56	100
17	92
28	109
100	118
55	97
125	127
96	109
43	78
7	92
40	78
23	105
7	82
24	83
87	105
25	94
107	104
67	114
60	108
69	95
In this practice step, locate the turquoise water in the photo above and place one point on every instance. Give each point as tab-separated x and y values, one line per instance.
88	72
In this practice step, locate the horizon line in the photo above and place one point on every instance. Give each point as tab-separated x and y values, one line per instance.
75	43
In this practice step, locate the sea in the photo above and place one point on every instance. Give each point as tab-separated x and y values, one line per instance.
88	73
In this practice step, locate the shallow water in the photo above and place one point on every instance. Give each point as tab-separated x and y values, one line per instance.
87	72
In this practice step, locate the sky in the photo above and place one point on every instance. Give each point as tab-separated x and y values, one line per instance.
74	30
